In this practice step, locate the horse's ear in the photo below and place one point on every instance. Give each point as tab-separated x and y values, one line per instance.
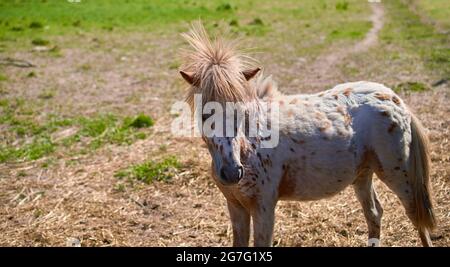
187	76
248	74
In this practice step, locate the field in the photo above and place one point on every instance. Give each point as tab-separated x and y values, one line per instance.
86	153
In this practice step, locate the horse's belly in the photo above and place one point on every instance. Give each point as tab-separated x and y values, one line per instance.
316	180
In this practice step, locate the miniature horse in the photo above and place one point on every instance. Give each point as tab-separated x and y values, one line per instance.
327	141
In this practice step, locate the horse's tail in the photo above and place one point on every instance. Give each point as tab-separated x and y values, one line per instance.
419	169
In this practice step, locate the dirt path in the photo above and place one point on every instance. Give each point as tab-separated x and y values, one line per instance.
323	71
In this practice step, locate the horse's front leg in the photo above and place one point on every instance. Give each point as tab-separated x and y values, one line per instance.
263	221
240	221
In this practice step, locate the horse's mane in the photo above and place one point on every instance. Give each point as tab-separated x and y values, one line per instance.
217	68
266	88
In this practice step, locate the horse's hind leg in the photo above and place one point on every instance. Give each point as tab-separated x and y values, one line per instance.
402	187
370	204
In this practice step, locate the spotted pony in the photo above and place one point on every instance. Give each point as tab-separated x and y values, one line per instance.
327	142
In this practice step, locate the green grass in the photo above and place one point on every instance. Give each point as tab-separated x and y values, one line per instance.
46	94
39	22
27	139
59	17
406	30
140	121
40	42
349	30
150	171
40	147
437	10
411	87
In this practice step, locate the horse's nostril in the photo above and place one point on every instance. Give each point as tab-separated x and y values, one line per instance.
241	172
222	174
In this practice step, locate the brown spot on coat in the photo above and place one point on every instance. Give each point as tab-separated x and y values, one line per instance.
326	125
382	96
396	100
301	142
320	115
290	113
384	113
320	95
293	101
347	92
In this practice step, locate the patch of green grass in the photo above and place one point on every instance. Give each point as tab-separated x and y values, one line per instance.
63	17
28	139
66	17
342	5
35	25
350	30
21	173
257	21
46	94
437	10
174	65
16	29
31	74
120	187
40	42
140	121
234	22
108	128
150	171
96	126
225	7
256	27
39	147
405	29
411	87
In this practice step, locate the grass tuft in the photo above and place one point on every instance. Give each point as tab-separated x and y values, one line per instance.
35	25
411	87
140	121
342	6
40	42
150	171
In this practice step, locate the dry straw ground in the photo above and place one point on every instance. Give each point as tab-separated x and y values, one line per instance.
77	197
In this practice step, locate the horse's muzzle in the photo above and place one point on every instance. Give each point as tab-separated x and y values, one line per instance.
231	174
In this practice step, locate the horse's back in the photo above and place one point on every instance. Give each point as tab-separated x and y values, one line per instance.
337	129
